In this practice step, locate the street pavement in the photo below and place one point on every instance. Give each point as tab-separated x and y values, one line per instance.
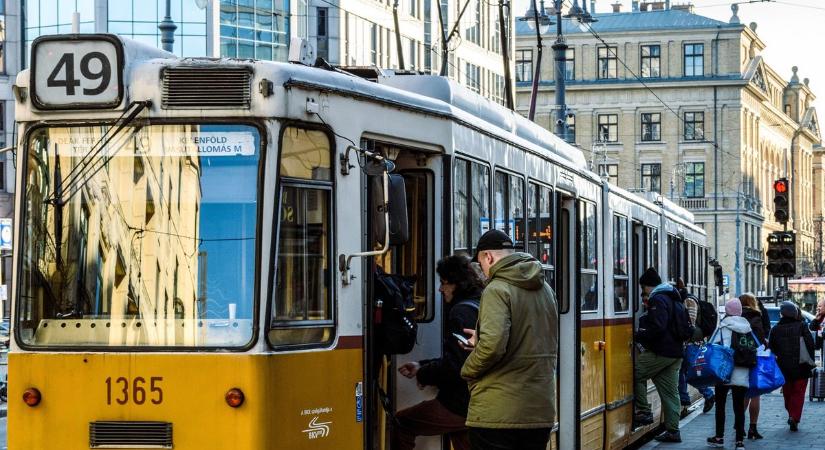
773	425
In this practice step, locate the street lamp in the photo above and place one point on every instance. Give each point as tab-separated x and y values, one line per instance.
167	27
537	21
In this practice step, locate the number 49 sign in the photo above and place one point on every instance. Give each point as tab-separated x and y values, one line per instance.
77	72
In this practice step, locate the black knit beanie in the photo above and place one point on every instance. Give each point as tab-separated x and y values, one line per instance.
650	278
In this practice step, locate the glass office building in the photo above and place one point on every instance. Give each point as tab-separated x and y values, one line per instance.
255	29
248	28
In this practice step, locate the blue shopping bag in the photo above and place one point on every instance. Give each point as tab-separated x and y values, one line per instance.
708	364
765	376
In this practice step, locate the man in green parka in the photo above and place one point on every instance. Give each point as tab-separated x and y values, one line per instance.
511	370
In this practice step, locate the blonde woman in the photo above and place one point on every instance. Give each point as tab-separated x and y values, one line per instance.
752	312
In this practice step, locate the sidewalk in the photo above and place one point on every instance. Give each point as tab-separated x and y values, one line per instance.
773	418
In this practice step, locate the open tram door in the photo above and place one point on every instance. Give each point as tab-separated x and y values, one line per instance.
416	174
568	393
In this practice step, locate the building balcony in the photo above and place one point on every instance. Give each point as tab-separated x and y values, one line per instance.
694	203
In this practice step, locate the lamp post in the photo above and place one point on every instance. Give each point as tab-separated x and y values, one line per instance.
540	21
167	27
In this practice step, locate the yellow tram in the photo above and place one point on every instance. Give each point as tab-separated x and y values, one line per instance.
196	240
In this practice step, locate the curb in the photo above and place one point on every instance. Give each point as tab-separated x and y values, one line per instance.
697	411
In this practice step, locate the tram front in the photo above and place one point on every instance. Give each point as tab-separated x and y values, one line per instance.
137	282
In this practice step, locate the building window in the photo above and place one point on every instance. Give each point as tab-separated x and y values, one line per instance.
571	128
323	25
608	128
650	61
472	73
570	64
611	172
524	65
694	126
607	63
694	60
249	29
652	177
651	127
695	179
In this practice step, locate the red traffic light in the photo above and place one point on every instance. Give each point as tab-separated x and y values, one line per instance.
780	186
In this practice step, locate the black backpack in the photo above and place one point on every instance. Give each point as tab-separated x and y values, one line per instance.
706	318
394	313
680	322
744	349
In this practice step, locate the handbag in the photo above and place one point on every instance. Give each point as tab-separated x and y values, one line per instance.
708	364
804	355
765	376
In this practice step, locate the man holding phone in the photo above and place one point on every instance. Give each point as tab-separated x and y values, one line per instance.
512	367
460	289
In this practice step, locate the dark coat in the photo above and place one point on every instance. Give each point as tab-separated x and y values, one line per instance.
755	319
816	326
445	372
766	318
655	331
784	343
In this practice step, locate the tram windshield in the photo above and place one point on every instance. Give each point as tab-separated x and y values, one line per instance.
148	240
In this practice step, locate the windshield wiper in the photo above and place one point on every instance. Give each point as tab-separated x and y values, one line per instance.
64	190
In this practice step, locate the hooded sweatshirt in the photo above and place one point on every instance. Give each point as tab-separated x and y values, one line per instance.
656	326
727	326
511	371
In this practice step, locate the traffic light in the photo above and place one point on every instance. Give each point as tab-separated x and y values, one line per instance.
781	191
782	254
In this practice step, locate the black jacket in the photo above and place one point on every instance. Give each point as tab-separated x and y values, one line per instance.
755	319
816	325
784	343
766	318
445	372
655	331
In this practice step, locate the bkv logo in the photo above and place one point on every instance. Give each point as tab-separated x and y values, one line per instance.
317	429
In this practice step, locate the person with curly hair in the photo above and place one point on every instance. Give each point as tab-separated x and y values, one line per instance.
461	289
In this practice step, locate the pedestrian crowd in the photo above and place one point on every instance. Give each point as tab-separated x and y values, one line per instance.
496	378
740	355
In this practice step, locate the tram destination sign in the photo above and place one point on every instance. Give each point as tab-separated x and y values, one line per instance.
77	71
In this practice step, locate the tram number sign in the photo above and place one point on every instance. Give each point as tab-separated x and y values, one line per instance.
139	390
77	72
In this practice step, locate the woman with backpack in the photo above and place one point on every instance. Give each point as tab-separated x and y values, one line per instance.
793	346
461	288
752	312
731	327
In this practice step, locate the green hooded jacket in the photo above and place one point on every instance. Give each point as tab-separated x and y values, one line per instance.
512	370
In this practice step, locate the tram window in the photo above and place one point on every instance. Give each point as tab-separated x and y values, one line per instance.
620	266
113	283
655	246
540	226
509	207
471	213
415	254
302	310
588	260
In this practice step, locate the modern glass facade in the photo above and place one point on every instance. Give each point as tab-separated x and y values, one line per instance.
42	17
138	20
255	29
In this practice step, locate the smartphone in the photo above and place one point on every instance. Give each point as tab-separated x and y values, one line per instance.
461	339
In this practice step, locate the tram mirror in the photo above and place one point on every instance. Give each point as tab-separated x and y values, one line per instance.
396	206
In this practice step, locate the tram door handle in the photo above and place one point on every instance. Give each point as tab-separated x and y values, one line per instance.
599	346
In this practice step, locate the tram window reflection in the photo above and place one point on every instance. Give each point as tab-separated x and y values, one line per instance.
620	265
471	214
148	242
302	310
508	200
588	260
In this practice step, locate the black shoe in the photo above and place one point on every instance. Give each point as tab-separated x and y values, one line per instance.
641	419
752	433
739	445
669	436
716	442
684	412
709	402
794	425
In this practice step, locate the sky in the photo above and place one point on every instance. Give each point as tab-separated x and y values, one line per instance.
792	31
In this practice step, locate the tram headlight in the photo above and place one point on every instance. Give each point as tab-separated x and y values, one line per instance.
234	397
31	397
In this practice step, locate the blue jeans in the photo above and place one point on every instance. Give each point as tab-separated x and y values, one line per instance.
684	397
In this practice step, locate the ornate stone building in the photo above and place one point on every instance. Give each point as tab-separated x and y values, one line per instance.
670	101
